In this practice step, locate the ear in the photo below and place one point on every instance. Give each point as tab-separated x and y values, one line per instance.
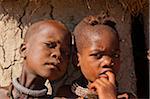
79	59
23	50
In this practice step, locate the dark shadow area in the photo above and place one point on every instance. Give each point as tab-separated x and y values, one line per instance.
140	59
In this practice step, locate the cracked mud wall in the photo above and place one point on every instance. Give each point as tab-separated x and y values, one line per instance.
17	15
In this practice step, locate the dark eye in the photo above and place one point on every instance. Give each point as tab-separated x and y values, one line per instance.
51	45
115	55
97	55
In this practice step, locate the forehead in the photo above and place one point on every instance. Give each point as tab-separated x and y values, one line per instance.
101	37
50	31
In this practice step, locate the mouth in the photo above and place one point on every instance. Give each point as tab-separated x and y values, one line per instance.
53	65
103	73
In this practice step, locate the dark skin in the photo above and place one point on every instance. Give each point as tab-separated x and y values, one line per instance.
99	62
96	61
45	51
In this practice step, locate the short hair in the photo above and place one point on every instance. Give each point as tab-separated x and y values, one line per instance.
35	28
88	23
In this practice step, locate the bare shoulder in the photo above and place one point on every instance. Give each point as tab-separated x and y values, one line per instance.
3	93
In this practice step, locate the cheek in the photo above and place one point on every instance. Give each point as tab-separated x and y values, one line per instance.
89	64
39	55
64	65
90	70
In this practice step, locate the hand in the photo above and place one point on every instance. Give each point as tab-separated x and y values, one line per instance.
105	87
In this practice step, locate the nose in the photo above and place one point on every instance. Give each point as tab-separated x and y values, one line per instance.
106	62
56	54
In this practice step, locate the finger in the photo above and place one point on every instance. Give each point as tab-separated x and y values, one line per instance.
111	77
99	83
95	84
123	96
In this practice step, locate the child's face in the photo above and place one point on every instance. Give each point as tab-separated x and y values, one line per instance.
99	55
47	53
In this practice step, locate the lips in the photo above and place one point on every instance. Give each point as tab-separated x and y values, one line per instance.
53	65
103	74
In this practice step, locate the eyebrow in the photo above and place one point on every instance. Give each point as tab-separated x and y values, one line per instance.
116	50
48	41
99	51
104	51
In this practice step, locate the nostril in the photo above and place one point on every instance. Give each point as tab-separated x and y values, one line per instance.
54	56
59	58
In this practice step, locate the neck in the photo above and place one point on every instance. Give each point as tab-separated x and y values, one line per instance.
31	81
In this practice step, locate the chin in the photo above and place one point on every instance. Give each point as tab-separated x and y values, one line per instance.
54	77
46	75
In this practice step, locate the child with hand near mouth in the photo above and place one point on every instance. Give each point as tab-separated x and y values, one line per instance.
97	44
